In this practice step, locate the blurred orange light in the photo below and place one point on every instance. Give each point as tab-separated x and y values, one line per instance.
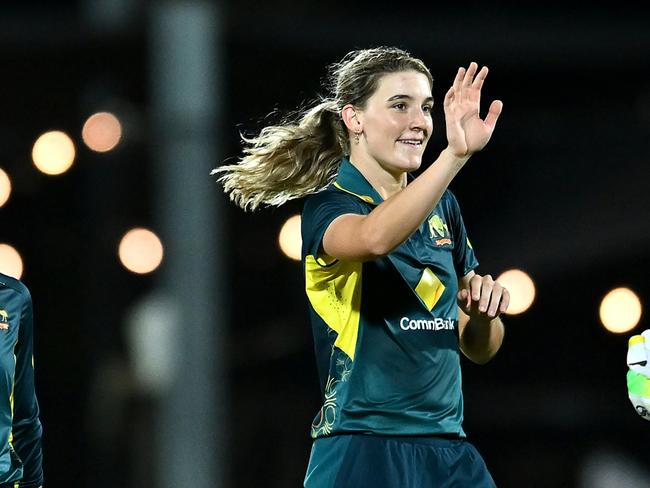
140	251
102	131
521	288
620	310
5	187
10	261
53	153
290	240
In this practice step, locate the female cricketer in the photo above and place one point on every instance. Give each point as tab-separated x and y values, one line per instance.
20	427
387	265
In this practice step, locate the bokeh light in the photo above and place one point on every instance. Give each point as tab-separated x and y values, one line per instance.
5	187
620	310
53	153
140	251
10	261
290	240
102	131
521	288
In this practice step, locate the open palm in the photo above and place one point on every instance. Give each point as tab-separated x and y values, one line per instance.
467	133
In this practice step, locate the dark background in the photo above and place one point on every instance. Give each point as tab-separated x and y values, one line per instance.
560	191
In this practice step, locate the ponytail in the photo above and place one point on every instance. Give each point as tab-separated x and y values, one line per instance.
288	161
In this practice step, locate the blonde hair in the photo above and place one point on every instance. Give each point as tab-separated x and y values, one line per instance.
301	156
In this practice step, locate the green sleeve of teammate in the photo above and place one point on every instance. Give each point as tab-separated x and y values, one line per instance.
638	376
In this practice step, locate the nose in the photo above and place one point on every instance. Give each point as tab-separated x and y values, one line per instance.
420	122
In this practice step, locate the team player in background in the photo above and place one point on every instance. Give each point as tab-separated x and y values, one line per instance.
387	265
638	376
20	427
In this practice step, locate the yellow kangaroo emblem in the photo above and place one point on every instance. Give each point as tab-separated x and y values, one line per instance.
4	320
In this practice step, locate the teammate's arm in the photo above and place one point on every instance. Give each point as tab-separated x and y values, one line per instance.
481	300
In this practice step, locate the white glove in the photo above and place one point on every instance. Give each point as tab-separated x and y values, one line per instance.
638	377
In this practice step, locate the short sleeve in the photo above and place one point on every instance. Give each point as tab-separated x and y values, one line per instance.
319	212
464	256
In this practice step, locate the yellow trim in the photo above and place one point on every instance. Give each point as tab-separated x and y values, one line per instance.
636	339
430	288
11	399
469	244
335	294
365	198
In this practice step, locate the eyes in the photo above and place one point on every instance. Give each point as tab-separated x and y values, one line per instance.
403	107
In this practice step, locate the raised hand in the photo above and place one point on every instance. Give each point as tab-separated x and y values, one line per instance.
467	133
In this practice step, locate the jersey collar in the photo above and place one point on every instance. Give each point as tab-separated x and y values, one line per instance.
351	180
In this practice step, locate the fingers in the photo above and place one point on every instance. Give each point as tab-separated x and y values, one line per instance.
464	300
469	75
473	82
495	300
493	113
468	82
449	97
475	287
505	301
480	78
485	293
458	81
484	297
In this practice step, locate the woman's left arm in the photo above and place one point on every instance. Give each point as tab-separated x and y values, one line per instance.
481	300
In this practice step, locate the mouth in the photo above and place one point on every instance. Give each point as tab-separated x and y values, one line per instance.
411	142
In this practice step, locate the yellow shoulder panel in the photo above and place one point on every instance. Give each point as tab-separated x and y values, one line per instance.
335	294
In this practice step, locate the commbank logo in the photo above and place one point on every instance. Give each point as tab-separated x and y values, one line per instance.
406	323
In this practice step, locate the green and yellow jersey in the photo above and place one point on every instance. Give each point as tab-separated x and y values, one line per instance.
20	427
386	331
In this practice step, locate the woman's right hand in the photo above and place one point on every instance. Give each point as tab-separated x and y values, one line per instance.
466	132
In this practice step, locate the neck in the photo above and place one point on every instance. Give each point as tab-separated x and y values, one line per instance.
384	182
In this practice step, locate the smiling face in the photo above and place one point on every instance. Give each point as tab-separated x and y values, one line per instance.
396	122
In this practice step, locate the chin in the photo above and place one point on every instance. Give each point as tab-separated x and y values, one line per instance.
412	165
397	165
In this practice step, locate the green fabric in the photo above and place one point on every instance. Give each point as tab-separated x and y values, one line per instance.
638	385
404	377
22	457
